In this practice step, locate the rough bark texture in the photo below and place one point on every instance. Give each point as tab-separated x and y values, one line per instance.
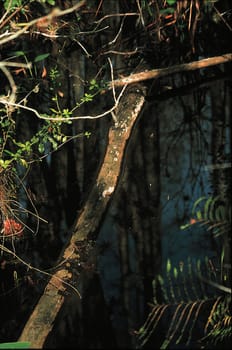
162	72
81	246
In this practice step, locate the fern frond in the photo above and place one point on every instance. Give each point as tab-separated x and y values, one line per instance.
176	326
212	211
151	323
210	318
183	329
221	322
195	304
196	203
199	305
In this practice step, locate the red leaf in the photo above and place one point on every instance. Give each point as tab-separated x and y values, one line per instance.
44	73
12	227
20	70
60	93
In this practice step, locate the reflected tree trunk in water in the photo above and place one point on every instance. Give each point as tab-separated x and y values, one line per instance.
138	208
221	114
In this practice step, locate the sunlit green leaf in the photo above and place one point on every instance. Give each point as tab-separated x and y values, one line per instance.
41	147
87	134
23	162
183	227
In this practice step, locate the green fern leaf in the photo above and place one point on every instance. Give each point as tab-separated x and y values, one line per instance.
199	200
15	345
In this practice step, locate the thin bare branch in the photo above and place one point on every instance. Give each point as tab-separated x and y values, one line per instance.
116	15
8	103
123	53
221	17
12	95
15	64
118	33
6	13
56	276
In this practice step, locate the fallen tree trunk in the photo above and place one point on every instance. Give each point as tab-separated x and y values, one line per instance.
161	72
80	248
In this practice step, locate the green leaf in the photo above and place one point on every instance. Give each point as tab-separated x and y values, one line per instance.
53	142
15	345
23	162
197	202
54	110
87	134
93	82
18	53
220	214
41	147
183	227
211	214
66	113
13	4
171	2
41	57
165	344
8	152
161	280
169	266
175	272
207	210
167	11
5	163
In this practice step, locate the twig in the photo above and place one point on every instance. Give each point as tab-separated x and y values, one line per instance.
7	102
8	251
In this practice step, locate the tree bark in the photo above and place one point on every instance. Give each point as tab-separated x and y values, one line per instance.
162	72
76	255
